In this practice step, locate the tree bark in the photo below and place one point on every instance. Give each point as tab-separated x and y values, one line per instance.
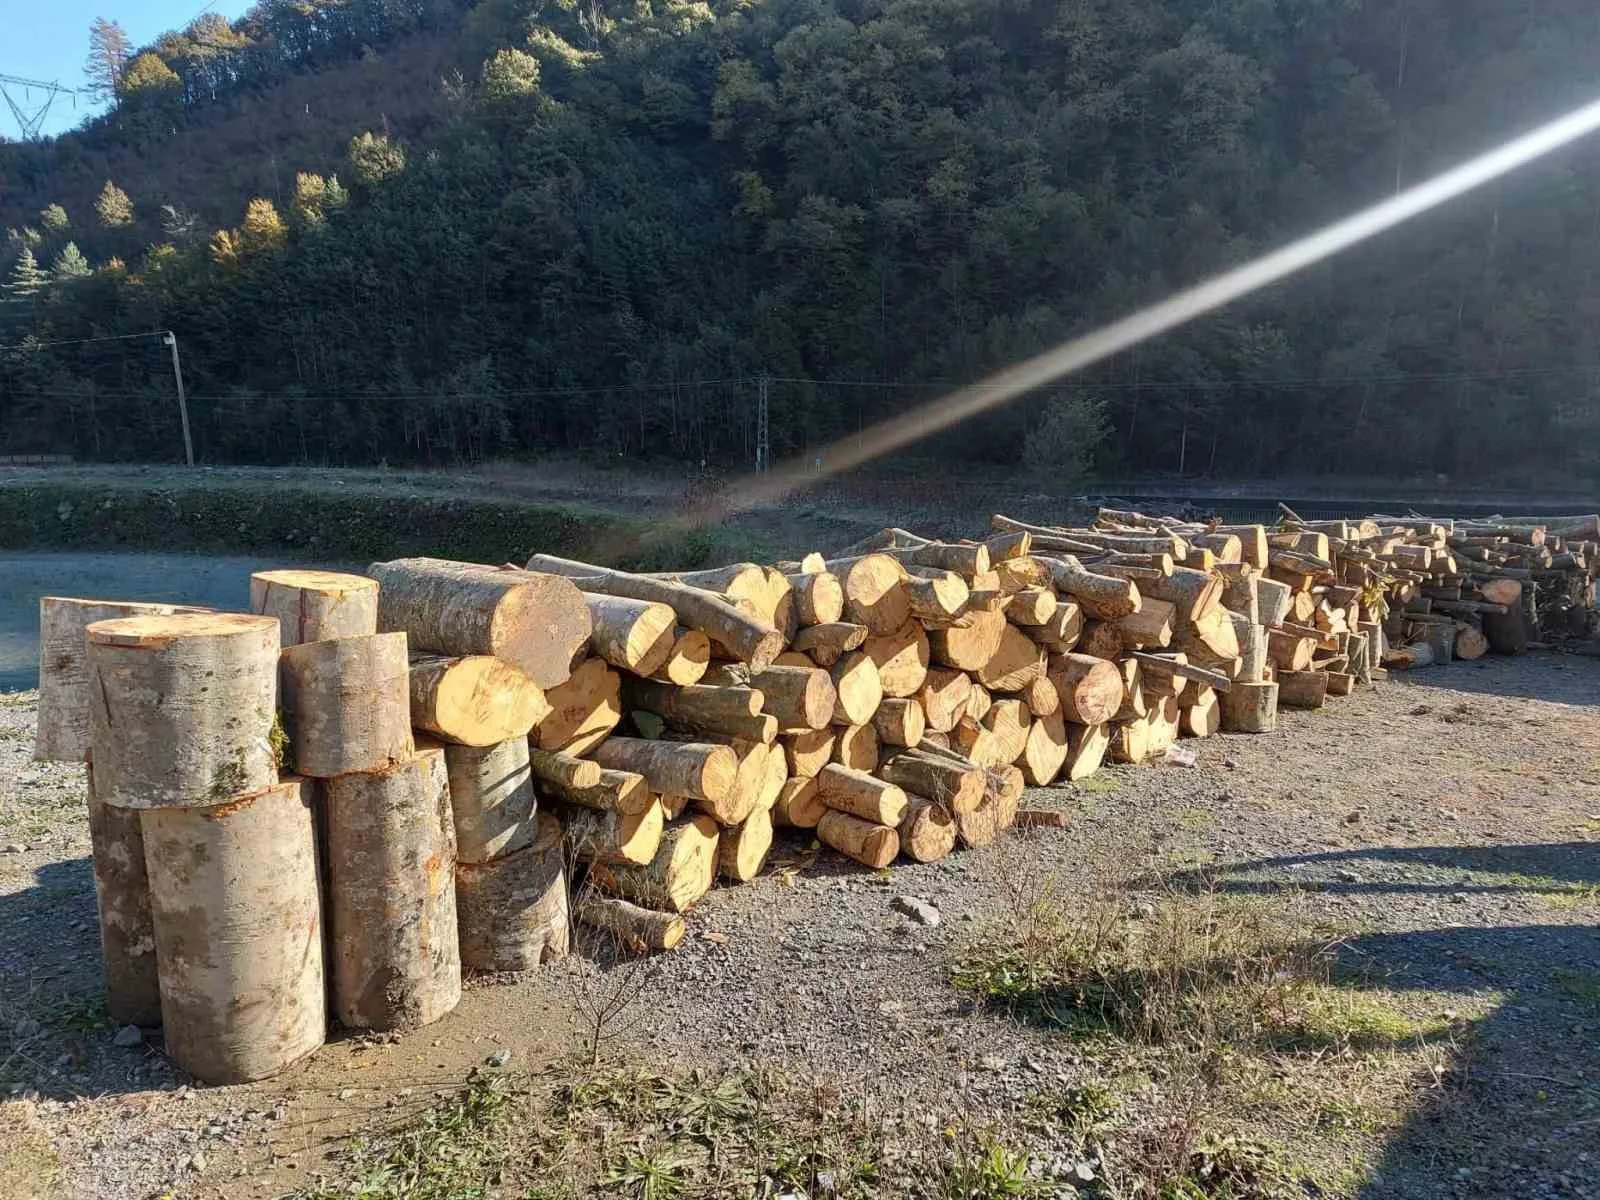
631	635
122	898
316	606
861	795
639	929
492	801
870	844
473	701
827	644
347	703
614	837
899	722
512	911
681	873
704	772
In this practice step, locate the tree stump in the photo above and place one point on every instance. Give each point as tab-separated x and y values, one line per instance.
512	911
391	895
182	707
236	907
347	703
1250	707
492	801
122	896
316	606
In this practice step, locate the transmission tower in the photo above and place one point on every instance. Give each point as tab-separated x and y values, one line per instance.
29	110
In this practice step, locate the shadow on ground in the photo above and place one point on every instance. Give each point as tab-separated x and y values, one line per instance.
1553	678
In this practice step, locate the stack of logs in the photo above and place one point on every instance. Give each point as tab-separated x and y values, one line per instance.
371	782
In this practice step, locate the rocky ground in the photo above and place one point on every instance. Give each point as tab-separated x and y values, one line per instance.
1441	835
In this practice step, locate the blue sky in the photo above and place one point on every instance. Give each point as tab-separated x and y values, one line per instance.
50	40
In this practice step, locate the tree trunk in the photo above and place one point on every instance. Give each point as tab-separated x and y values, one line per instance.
181	707
1151	625
1193	594
63	706
899	723
901	658
857	688
808	753
122	897
861	795
703	772
927	831
870	844
1250	707
742	851
873	595
391	906
316	606
680	874
639	929
347	703
956	785
747	638
631	635
583	710
687	660
936	598
818	597
614	837
1086	750
474	701
1103	597
1090	688
513	912
235	905
537	623
943	698
492	801
1031	606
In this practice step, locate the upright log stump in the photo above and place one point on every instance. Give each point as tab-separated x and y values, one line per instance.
63	729
315	606
347	704
181	707
237	914
392	897
122	895
491	798
513	909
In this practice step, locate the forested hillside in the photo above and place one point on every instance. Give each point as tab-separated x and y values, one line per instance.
618	217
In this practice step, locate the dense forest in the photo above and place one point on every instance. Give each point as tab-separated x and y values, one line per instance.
608	226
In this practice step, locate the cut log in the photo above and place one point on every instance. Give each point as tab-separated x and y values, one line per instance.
63	705
799	698
1341	683
631	635
808	753
614	837
1031	606
1131	741
316	606
122	899
492	801
701	708
856	746
474	701
1470	643
818	597
936	598
1062	631
969	647
742	851
1203	717
347	703
1045	752
638	929
1008	721
943	698
236	908
1506	633
1173	666
901	658
799	804
1501	591
391	895
1101	639
1103	597
512	911
927	831
869	844
899	722
680	874
1042	698
1290	652
1193	594
858	690
861	795
583	710
1090	688
1151	625
535	622
559	772
1086	750
687	660
873	596
1252	652
181	707
1302	689
704	772
1250	707
955	784
827	644
747	638
1015	663
1274	600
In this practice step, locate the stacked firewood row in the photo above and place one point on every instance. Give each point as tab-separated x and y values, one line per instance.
335	803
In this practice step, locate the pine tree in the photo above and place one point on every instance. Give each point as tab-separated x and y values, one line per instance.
27	279
54	218
70	264
263	228
108	57
113	207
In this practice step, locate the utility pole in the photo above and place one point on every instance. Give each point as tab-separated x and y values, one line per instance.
763	440
170	339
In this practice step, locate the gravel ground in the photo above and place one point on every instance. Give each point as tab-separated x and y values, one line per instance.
1447	824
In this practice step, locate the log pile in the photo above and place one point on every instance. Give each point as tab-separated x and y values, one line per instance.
444	765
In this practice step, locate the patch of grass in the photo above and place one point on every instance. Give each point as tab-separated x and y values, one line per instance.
1101	784
1582	986
1196	818
455	1151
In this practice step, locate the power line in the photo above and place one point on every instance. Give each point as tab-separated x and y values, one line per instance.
110	337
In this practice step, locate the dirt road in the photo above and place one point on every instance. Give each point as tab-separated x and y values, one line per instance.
1441	835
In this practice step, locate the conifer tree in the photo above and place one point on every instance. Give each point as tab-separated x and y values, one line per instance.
113	207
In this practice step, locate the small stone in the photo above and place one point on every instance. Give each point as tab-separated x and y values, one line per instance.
1349	876
128	1036
15	848
917	909
346	1093
499	1058
1458	897
1083	1172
